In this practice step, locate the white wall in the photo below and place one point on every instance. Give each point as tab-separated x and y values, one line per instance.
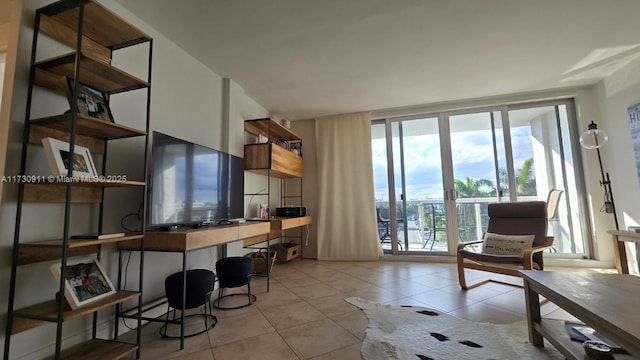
306	130
617	93
186	102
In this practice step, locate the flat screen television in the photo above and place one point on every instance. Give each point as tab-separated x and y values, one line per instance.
192	184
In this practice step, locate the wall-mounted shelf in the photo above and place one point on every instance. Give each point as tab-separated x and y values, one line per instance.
269	158
36	315
89	126
46	250
94	72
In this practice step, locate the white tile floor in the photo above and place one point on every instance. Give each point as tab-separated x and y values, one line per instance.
304	315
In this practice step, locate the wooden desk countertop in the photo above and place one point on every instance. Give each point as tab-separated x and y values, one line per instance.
187	239
278	224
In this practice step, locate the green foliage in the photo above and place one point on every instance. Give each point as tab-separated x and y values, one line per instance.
525	180
470	188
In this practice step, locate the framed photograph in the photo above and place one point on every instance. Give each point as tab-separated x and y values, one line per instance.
84	281
296	147
60	159
91	102
634	122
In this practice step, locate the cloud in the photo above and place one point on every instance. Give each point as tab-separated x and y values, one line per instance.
472	154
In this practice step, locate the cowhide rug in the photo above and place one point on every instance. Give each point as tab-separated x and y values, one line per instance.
424	334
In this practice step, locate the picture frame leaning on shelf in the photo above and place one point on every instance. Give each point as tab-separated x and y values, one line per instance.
90	101
85	281
57	152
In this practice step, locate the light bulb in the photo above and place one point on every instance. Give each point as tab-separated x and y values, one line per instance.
593	138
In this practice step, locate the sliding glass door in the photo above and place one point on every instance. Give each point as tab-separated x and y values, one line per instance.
435	175
478	160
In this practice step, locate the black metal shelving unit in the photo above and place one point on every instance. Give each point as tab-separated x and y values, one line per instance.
95	33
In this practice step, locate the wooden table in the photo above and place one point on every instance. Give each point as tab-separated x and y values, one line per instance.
606	302
619	238
187	239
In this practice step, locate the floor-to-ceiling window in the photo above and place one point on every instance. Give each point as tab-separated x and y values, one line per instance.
435	174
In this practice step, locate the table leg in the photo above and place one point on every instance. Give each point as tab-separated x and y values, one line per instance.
620	254
533	314
184	298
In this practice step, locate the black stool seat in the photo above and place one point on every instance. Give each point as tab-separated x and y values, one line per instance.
200	283
232	272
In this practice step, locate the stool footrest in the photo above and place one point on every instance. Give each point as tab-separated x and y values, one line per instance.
213	318
251	297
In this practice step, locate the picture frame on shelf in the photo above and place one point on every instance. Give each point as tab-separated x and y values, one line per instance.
296	147
634	123
57	152
90	101
85	281
283	144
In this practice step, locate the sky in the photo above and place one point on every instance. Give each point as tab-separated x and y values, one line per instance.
472	154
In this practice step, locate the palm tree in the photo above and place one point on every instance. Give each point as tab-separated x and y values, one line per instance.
525	181
474	188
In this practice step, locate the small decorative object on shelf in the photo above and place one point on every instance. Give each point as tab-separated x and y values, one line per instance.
597	350
90	102
296	147
85	282
59	158
283	144
285	123
263	211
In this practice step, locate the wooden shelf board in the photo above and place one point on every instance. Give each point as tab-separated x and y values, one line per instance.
32	255
98	349
88	126
93	72
81	182
277	225
76	243
47	312
262	127
37	133
69	36
82	192
555	333
55	193
283	163
274	173
254	240
100	24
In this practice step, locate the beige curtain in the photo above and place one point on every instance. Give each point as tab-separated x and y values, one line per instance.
346	223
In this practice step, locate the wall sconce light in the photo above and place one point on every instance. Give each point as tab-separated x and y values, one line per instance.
595	138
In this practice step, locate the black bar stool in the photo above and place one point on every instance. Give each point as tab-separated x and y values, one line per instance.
200	284
232	272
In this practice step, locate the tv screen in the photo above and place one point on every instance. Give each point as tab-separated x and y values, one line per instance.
191	183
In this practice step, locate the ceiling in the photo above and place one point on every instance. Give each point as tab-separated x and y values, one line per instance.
306	58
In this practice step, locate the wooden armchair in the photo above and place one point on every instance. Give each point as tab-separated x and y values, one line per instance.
518	218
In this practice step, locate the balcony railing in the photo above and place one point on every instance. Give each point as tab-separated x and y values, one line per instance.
426	223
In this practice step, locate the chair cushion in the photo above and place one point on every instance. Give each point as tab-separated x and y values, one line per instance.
520	218
501	244
486	258
512	262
